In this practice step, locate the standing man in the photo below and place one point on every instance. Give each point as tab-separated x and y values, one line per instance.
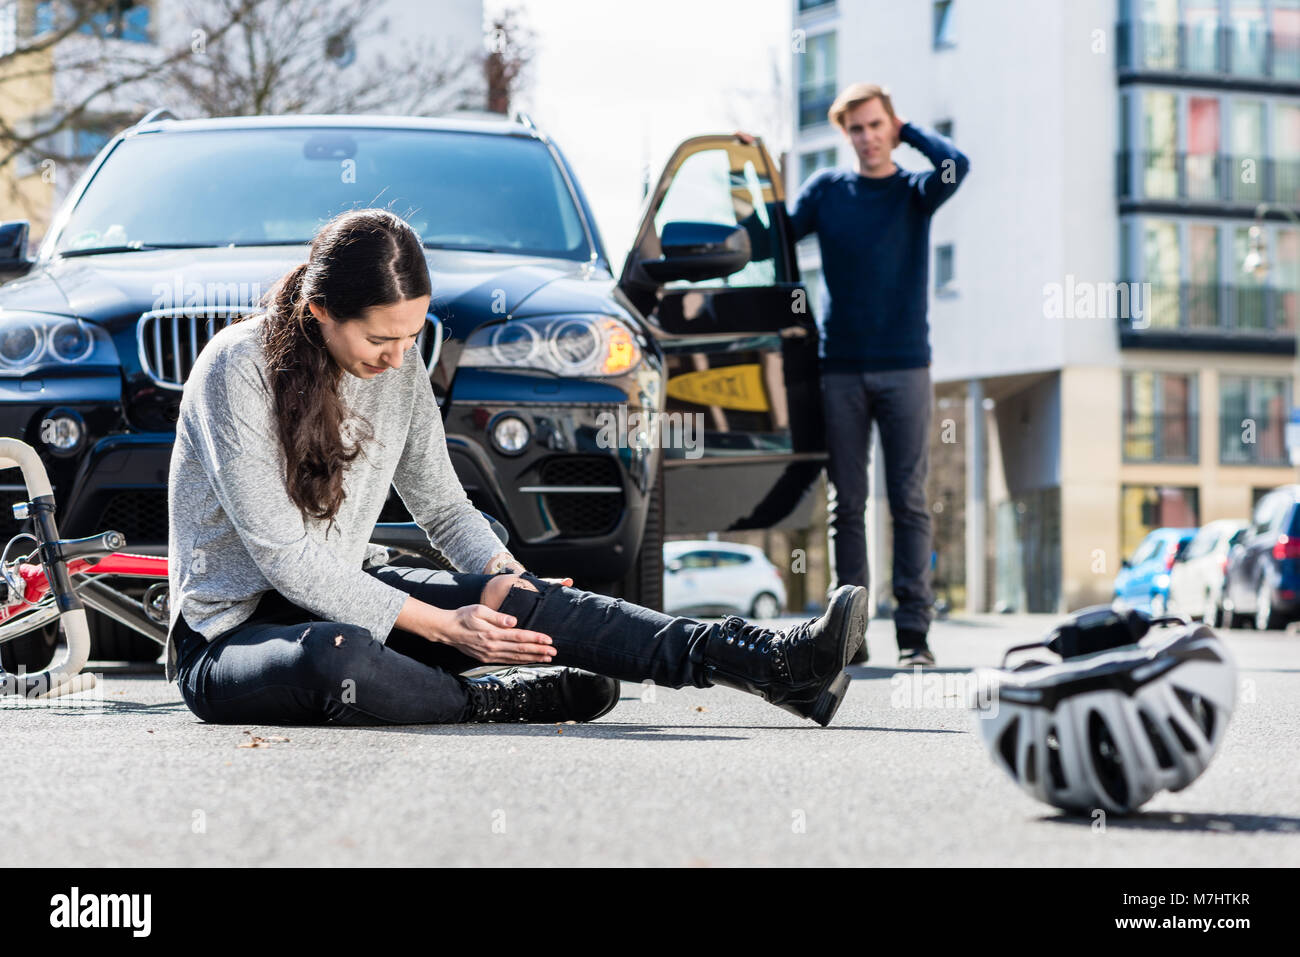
873	226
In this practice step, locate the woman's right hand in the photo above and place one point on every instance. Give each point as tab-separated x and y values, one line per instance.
487	635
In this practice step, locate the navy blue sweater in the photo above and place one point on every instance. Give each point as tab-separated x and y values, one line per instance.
874	235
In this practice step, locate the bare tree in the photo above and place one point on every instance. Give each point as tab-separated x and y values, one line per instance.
319	56
511	51
217	58
82	42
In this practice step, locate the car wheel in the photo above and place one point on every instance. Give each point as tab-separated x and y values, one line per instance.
1216	612
644	582
33	652
110	640
1265	618
765	606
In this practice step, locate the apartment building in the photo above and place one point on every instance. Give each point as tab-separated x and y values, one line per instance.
1113	289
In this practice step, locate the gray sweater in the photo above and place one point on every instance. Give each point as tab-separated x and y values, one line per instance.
233	532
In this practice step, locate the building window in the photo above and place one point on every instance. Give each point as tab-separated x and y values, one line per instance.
1247	38
817	80
1160	142
124	20
810	163
1161	265
8	27
945	279
1252	421
943	27
1144	508
1160	417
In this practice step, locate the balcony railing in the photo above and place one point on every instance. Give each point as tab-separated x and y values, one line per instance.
1161	437
1252	440
1247	310
1249	53
1154	175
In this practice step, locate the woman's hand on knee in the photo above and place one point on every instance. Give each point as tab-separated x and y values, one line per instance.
489	636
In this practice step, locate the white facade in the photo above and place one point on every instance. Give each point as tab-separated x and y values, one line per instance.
1035	109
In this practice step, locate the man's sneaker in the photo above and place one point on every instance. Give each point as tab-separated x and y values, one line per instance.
540	694
860	656
908	657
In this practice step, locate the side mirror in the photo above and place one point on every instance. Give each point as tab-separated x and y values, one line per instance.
674	566
695	251
13	249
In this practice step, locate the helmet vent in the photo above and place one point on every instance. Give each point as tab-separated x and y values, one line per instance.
1163	757
1054	760
1106	760
1198	709
1007	744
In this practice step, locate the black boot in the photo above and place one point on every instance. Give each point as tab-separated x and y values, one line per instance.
540	694
800	670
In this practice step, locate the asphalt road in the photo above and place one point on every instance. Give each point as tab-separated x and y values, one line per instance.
699	777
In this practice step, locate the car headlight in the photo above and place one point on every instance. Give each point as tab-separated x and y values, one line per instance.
33	340
564	345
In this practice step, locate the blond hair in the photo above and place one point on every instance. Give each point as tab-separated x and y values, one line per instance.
855	95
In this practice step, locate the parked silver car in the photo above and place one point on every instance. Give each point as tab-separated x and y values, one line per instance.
1196	579
719	578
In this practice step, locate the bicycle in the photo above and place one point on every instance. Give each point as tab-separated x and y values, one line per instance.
64	581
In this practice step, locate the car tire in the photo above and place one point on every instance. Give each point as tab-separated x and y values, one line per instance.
644	582
1266	619
110	640
765	606
1216	613
32	653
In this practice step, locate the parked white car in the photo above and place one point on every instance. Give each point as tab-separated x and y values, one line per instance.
1196	579
703	578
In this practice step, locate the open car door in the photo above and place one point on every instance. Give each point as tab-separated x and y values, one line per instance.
713	270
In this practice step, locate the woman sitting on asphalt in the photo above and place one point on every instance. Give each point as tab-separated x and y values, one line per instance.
293	426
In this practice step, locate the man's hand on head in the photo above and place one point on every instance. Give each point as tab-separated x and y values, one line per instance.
899	121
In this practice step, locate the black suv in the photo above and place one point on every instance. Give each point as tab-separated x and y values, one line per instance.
589	413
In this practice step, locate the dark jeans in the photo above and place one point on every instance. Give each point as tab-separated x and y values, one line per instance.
284	666
900	402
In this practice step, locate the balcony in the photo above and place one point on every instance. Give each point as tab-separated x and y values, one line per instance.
1156	177
1251	57
1252	440
1212	316
1166	437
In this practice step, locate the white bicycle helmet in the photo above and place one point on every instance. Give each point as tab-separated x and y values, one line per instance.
1118	719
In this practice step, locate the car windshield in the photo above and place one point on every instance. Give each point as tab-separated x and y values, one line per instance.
267	186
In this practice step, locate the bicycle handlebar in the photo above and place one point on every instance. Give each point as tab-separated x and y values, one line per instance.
63	676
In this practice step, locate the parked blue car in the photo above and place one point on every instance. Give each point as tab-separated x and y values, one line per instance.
1143	581
1262	578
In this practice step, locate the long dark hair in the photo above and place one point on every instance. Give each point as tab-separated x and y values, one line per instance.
361	258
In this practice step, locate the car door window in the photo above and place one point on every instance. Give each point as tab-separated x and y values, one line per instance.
708	188
697	560
731	559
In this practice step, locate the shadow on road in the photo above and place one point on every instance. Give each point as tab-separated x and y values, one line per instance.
1184	821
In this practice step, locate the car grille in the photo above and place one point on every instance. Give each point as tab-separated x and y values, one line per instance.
141	516
170	340
582	513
